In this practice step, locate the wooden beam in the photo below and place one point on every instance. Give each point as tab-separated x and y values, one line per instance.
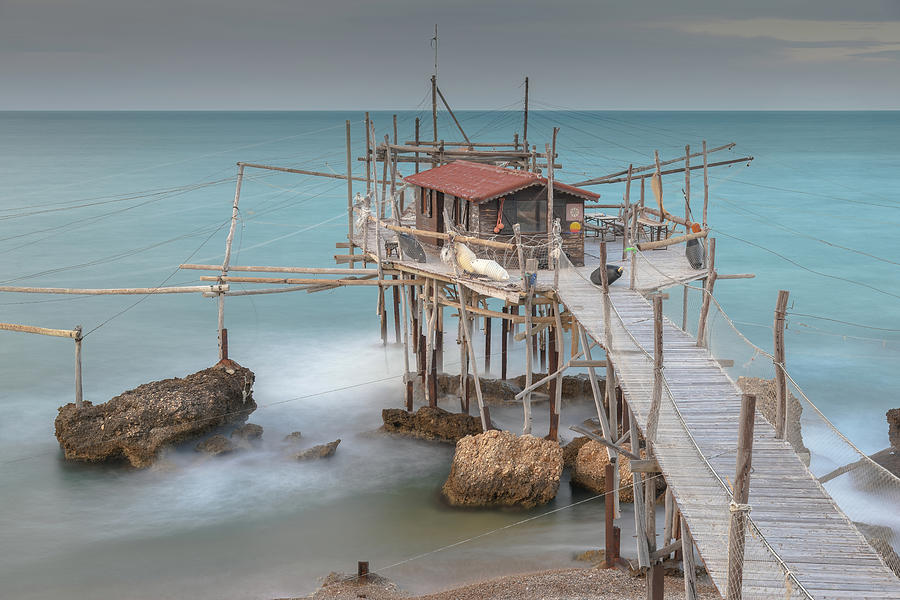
65	333
651	167
266	269
672	240
190	289
672	171
450	110
587	363
300	171
736	276
599	438
292	281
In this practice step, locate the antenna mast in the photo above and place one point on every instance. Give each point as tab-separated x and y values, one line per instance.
434	43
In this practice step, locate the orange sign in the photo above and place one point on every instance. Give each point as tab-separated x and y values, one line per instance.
574	226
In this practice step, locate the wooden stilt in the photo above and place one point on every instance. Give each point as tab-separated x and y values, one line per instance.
687	186
485	419
407	379
684	307
554	383
640	523
504	343
613	533
439	339
689	566
529	335
487	344
626	239
396	297
463	369
669	519
707	294
349	192
705	183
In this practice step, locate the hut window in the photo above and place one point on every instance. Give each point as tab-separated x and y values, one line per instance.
531	215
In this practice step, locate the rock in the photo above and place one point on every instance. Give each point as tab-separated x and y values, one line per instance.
764	390
889	458
595	557
293	437
573	386
320	451
570	450
216	445
589	470
248	432
498	468
503	392
137	424
880	539
893	419
431	423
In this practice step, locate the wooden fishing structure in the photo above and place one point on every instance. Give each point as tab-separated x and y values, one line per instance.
663	393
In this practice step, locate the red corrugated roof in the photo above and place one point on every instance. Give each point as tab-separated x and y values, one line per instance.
479	182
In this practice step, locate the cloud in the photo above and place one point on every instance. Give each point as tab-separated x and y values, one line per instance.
804	39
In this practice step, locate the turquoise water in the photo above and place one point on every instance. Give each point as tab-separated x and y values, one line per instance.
112	200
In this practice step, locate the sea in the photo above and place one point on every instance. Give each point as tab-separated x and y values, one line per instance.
121	199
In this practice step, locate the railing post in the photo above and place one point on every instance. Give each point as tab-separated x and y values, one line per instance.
780	384
78	391
739	506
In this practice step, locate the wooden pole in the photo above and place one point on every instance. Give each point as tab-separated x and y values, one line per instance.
485	420
417	143
368	155
707	294
434	108
487	344
504	344
684	307
705	183
450	110
406	346
656	398
664	163
349	190
780	383
551	152
529	358
613	533
555	351
525	126
78	390
739	506
637	484
687	186
228	242
439	337
625	215
66	333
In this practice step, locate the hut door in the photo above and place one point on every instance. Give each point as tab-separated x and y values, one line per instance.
439	211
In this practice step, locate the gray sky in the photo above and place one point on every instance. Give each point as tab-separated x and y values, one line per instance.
335	54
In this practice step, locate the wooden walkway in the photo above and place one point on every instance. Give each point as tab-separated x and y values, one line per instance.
817	542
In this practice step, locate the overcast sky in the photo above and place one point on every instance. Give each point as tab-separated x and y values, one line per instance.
335	54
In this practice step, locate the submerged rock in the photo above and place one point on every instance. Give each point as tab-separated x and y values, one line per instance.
764	390
889	458
498	468
589	470
293	437
248	432
320	451
431	423
216	445
503	392
137	424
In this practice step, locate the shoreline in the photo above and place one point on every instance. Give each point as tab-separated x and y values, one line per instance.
585	583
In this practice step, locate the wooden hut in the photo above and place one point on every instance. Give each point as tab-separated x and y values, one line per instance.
487	201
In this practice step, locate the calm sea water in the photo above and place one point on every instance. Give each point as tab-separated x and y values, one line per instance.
112	200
